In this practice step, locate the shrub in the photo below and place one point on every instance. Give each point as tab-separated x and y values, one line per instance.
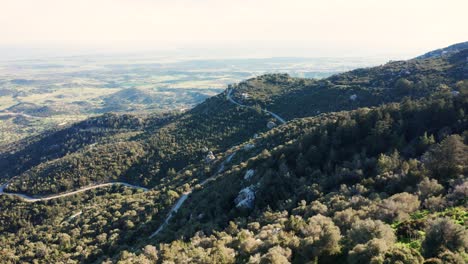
403	255
322	237
365	230
443	234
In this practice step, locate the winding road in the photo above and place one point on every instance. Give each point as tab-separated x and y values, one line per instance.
174	208
18	114
277	117
185	195
31	199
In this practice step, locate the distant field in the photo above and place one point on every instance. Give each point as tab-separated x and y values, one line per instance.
37	95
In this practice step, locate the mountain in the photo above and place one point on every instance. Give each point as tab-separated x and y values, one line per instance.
368	170
370	167
157	99
217	124
445	51
31	109
128	97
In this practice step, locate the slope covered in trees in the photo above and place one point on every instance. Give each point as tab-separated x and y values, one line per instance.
445	51
370	168
366	186
295	97
217	124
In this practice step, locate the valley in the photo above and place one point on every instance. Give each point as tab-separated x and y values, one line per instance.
362	166
40	95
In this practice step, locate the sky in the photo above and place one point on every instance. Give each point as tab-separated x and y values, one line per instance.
245	28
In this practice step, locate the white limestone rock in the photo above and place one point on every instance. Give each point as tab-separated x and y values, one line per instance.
271	124
249	146
210	157
249	174
246	198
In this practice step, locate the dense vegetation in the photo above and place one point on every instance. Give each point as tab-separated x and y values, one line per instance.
382	181
367	186
296	97
144	159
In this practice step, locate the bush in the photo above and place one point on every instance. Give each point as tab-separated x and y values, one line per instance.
397	207
277	255
363	231
429	188
447	159
443	234
403	255
370	252
322	237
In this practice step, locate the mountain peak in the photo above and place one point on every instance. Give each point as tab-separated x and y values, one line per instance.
445	51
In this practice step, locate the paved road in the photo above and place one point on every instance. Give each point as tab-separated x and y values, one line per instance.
18	114
174	208
185	195
228	96
31	199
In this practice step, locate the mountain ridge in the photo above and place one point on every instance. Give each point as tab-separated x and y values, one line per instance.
370	177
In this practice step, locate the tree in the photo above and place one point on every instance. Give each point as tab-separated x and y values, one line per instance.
435	203
403	255
459	193
370	252
447	159
321	237
424	142
404	85
277	255
429	187
388	163
151	252
397	207
449	257
443	234
345	219
363	231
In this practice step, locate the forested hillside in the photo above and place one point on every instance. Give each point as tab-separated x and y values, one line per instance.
364	186
149	154
296	97
370	168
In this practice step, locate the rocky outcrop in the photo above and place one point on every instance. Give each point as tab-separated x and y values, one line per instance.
271	124
210	157
246	198
249	174
249	146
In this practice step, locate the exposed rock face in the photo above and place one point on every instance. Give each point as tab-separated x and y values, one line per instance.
271	124
246	198
210	157
249	146
249	174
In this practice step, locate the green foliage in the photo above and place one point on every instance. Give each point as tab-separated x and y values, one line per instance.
443	234
358	186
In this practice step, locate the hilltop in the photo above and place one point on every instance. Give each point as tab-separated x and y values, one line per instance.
455	48
368	166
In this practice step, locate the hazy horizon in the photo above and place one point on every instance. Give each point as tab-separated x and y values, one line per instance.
221	28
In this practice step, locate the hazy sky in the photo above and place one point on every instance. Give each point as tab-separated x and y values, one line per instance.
234	27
